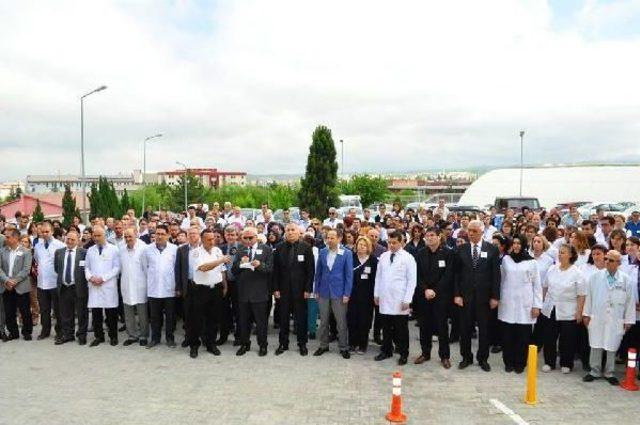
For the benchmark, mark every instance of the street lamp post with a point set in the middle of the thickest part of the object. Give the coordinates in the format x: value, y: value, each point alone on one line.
x: 342, y: 157
x: 521, y: 158
x: 144, y: 168
x: 185, y: 184
x: 84, y: 181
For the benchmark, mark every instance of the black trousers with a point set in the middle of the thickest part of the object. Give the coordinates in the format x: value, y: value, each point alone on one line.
x: 298, y: 307
x: 111, y: 319
x: 204, y: 317
x: 12, y: 303
x: 453, y: 312
x: 359, y: 318
x: 230, y: 313
x: 480, y: 311
x: 159, y: 309
x: 260, y: 311
x: 567, y: 331
x: 48, y: 301
x: 537, y: 337
x: 395, y: 330
x: 377, y: 323
x: 70, y: 307
x: 583, y: 349
x: 432, y: 319
x: 495, y: 328
x: 515, y: 344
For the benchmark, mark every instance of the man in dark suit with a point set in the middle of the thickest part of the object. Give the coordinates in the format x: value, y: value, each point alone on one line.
x: 15, y: 266
x: 184, y: 283
x: 72, y: 290
x: 230, y: 312
x: 293, y: 272
x: 476, y: 291
x: 252, y: 268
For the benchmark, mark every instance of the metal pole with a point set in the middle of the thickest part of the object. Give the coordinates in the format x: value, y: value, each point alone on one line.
x: 185, y: 184
x: 83, y: 181
x: 342, y: 157
x: 144, y: 169
x: 521, y: 158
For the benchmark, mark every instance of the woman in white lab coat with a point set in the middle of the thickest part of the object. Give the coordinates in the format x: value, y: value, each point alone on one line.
x: 564, y: 294
x: 520, y: 303
x: 579, y: 240
x: 540, y: 252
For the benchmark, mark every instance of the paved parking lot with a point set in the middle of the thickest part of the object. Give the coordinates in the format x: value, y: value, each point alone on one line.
x: 45, y: 384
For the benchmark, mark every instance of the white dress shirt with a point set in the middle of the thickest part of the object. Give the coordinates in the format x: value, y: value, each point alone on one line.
x: 395, y: 282
x: 186, y: 223
x: 331, y: 222
x: 211, y: 277
x: 47, y: 276
x: 13, y: 253
x: 107, y: 266
x: 64, y: 266
x: 133, y: 282
x: 160, y: 270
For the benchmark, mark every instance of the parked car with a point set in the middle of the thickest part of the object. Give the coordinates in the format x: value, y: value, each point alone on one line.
x: 250, y: 213
x: 563, y: 207
x: 608, y: 207
x: 516, y: 203
x: 294, y: 213
x: 465, y: 209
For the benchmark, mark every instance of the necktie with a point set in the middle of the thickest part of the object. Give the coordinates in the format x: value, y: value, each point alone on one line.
x: 475, y: 256
x: 99, y: 249
x: 46, y: 244
x: 67, y: 269
x: 249, y: 253
x: 392, y: 256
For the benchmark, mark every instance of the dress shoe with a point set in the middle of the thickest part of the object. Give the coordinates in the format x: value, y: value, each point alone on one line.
x: 485, y: 366
x: 96, y: 342
x: 382, y: 356
x: 27, y: 337
x: 242, y: 351
x: 263, y: 351
x: 152, y: 344
x: 193, y: 352
x: 464, y: 364
x: 345, y: 354
x: 60, y: 341
x: 281, y: 349
x: 446, y: 363
x: 508, y: 368
x: 11, y: 337
x: 122, y: 328
x: 3, y: 337
x: 142, y: 342
x: 213, y: 350
x: 40, y: 337
x: 496, y: 349
x: 613, y: 380
x: 113, y: 342
x: 129, y: 341
x: 518, y: 370
x: 184, y: 343
x: 419, y: 360
x: 303, y: 350
x: 402, y: 360
x: 589, y: 378
x: 171, y: 343
x: 312, y: 336
x: 82, y: 340
x: 320, y: 351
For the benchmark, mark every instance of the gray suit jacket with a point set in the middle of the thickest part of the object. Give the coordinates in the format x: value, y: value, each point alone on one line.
x: 79, y: 277
x: 20, y: 272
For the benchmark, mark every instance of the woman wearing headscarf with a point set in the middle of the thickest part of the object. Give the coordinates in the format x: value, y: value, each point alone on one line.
x: 520, y: 303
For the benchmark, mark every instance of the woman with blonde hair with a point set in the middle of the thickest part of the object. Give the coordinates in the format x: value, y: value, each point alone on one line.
x: 579, y: 241
x: 360, y: 308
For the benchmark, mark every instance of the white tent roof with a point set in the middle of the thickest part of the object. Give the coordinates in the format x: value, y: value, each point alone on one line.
x: 553, y: 185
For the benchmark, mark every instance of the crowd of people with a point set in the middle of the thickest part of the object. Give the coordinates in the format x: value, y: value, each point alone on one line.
x: 567, y: 284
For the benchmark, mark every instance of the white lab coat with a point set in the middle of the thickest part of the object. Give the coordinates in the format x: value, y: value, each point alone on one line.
x: 545, y: 261
x: 395, y: 282
x: 160, y: 270
x: 563, y: 289
x: 609, y: 308
x: 47, y: 276
x: 106, y: 266
x: 133, y: 282
x: 520, y: 291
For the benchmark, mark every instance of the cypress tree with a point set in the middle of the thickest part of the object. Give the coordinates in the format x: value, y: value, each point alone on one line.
x: 68, y: 207
x: 38, y: 215
x: 318, y: 188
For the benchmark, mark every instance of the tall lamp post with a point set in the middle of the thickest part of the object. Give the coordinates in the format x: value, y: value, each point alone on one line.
x: 185, y: 183
x: 144, y: 168
x: 521, y: 158
x: 342, y: 157
x: 84, y: 180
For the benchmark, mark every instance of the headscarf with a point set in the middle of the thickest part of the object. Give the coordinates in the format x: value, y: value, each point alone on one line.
x: 523, y: 255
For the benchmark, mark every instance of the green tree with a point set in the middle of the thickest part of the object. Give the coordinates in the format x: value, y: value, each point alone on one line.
x: 103, y: 198
x: 125, y: 202
x: 37, y: 215
x: 195, y: 192
x: 370, y: 189
x: 69, y: 209
x: 318, y: 189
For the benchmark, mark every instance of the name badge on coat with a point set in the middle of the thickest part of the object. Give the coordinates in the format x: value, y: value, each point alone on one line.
x: 367, y: 269
x: 300, y: 258
x: 340, y: 251
x: 258, y: 251
x: 364, y: 276
x: 483, y: 254
x: 81, y: 263
x: 442, y: 263
x: 19, y: 254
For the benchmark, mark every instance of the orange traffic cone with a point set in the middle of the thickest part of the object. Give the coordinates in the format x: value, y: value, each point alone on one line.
x: 629, y: 382
x: 396, y: 415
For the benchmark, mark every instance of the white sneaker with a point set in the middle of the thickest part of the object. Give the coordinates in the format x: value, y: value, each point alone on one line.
x: 546, y: 368
x: 565, y: 370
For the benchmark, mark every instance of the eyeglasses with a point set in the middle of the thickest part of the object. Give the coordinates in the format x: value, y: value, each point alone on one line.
x: 248, y: 238
x: 610, y: 260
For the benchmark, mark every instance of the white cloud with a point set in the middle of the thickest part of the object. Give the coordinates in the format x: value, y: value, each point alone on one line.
x: 242, y: 84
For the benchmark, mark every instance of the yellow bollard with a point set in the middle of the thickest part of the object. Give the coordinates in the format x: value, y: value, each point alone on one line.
x: 532, y: 376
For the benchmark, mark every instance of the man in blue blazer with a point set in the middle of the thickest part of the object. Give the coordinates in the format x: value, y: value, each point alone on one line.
x: 333, y: 283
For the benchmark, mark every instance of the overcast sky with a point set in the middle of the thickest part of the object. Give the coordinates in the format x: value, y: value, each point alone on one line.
x: 240, y: 85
